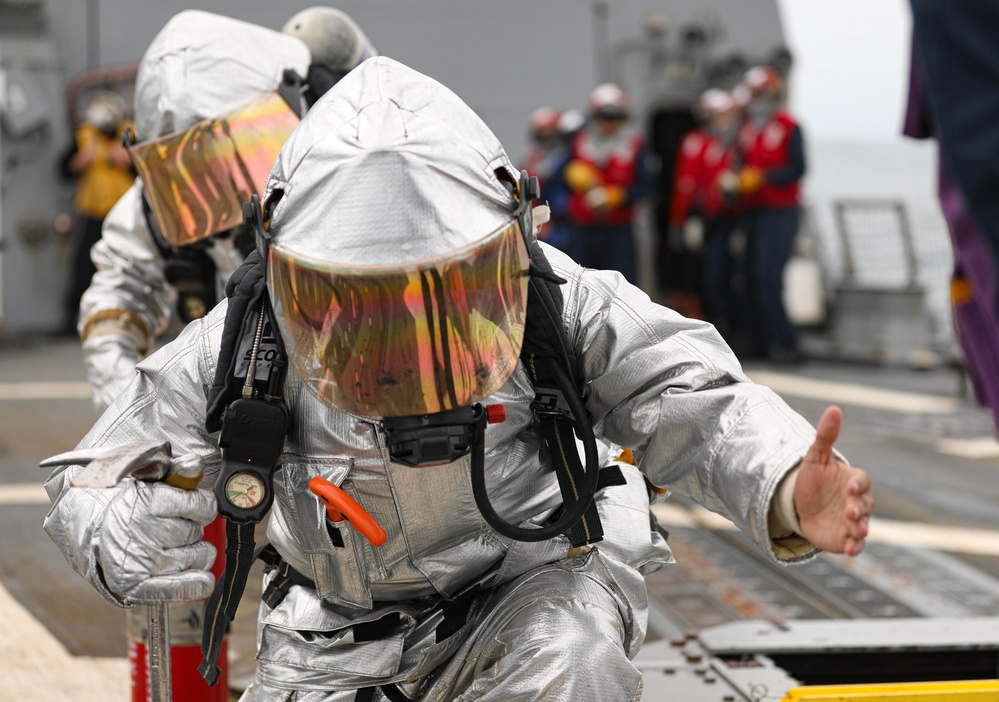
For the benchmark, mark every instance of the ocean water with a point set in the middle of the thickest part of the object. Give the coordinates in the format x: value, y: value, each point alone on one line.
x: 876, y: 184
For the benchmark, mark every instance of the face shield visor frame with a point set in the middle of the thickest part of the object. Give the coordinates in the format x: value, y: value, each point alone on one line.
x: 195, y: 181
x: 418, y: 338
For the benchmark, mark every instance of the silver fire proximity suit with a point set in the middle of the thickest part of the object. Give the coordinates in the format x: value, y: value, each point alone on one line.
x: 391, y: 164
x: 200, y: 66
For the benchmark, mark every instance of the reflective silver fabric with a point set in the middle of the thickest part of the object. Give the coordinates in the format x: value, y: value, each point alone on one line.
x: 541, y: 626
x: 202, y: 65
x: 661, y: 383
x: 412, y: 165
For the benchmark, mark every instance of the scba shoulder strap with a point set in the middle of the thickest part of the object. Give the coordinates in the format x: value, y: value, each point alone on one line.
x: 245, y: 405
x: 557, y: 376
x: 247, y: 296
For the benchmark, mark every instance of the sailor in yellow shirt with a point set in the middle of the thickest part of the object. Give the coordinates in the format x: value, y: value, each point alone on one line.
x: 104, y: 173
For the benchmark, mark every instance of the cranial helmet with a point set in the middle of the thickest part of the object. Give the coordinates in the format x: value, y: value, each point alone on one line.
x: 106, y: 110
x: 336, y: 42
x: 396, y: 267
x: 544, y: 121
x: 609, y: 101
x: 712, y: 102
x: 762, y: 80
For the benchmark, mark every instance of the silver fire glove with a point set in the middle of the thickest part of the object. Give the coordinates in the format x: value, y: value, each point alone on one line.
x: 150, y: 543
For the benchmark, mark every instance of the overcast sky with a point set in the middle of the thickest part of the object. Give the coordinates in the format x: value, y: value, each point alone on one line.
x: 851, y: 65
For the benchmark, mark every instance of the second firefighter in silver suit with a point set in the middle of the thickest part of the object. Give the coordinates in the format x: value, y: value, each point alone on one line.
x: 200, y: 66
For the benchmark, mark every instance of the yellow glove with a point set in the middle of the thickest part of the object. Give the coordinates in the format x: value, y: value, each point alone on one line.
x: 750, y: 180
x: 581, y: 176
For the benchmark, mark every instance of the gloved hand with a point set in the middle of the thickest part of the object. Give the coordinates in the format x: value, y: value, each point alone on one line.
x: 581, y: 176
x: 728, y: 182
x: 605, y: 198
x: 751, y: 179
x: 150, y: 543
x: 110, y: 363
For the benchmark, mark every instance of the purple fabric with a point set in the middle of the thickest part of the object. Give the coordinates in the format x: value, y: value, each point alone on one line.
x: 976, y: 319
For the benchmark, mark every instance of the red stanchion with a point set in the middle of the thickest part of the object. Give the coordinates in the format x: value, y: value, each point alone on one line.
x: 186, y: 622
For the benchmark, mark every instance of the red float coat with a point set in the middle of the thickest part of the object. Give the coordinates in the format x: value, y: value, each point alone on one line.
x: 619, y: 169
x: 702, y: 159
x: 541, y: 162
x: 768, y: 150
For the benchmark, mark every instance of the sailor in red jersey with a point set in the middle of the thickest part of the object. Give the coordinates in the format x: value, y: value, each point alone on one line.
x: 606, y: 176
x: 701, y: 215
x: 768, y: 186
x: 549, y: 152
x: 544, y: 142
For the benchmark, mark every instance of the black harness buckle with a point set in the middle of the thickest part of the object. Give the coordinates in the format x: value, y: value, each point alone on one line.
x: 550, y: 401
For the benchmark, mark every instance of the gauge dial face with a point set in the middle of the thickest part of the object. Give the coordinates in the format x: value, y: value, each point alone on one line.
x: 244, y: 490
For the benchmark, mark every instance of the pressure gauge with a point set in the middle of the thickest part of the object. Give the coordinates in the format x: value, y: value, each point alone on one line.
x: 245, y: 490
x: 252, y: 437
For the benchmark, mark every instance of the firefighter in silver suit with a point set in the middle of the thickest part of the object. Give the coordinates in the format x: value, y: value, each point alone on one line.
x: 389, y: 183
x: 201, y: 66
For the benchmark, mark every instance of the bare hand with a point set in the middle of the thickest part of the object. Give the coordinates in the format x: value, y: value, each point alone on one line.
x: 833, y: 500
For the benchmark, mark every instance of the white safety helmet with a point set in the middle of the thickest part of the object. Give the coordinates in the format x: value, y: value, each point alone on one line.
x: 337, y: 45
x: 544, y: 121
x: 571, y: 122
x: 396, y: 266
x: 713, y: 102
x: 106, y: 110
x: 762, y: 80
x: 609, y: 101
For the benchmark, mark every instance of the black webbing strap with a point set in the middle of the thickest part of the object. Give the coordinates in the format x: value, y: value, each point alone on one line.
x: 610, y: 477
x: 561, y: 439
x: 546, y: 342
x: 558, y: 432
x: 455, y: 615
x: 245, y: 290
x: 277, y: 588
x: 377, y: 629
x: 221, y: 607
x: 391, y: 692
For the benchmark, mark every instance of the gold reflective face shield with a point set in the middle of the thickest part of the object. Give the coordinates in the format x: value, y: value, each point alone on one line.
x: 410, y: 339
x: 197, y: 180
